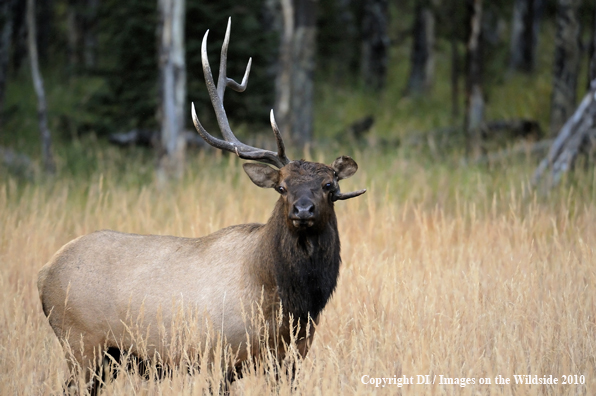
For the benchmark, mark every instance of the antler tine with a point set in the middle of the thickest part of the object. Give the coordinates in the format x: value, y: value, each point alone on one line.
x: 339, y: 196
x: 215, y: 142
x: 281, y: 149
x: 216, y: 101
x: 230, y: 142
x: 223, y: 80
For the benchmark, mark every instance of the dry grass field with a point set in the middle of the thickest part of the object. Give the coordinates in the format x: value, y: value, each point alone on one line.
x: 447, y: 271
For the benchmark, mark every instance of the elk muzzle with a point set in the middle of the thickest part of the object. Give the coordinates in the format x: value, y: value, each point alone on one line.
x: 303, y: 213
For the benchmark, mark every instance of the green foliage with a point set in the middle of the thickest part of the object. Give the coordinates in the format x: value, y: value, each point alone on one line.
x: 129, y: 61
x: 339, y: 25
x: 128, y: 66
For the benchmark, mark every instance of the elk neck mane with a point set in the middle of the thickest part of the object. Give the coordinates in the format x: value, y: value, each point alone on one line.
x: 305, y: 265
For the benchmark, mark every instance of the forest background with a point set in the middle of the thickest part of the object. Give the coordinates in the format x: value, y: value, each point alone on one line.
x: 458, y: 260
x: 412, y: 74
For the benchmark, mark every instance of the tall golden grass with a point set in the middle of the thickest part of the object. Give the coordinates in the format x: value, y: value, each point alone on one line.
x: 446, y: 271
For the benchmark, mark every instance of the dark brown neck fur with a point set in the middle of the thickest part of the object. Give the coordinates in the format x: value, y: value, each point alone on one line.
x: 304, y: 265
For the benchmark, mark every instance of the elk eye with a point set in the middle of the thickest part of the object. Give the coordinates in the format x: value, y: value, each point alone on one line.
x: 328, y: 186
x: 281, y: 189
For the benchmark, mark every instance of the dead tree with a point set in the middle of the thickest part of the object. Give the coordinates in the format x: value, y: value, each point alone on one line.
x: 304, y: 47
x: 375, y: 43
x: 578, y: 132
x: 295, y: 76
x: 42, y: 113
x: 283, y: 78
x: 422, y: 58
x: 524, y: 34
x: 474, y: 96
x: 566, y: 63
x: 172, y: 87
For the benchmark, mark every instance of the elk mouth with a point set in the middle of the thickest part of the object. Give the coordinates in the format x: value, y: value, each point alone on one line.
x: 302, y: 223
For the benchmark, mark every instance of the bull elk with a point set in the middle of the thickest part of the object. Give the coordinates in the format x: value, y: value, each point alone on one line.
x: 292, y: 261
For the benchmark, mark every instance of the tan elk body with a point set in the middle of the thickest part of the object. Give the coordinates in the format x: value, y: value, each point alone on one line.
x: 95, y: 284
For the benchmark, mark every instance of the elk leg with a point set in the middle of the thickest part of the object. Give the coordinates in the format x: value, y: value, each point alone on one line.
x: 83, y: 361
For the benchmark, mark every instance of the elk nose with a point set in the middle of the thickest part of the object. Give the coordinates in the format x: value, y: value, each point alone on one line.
x: 304, y: 209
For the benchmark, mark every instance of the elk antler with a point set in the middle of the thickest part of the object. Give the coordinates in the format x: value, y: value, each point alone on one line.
x: 231, y: 143
x: 337, y: 196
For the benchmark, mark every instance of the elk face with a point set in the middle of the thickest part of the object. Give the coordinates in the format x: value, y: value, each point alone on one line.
x: 307, y: 189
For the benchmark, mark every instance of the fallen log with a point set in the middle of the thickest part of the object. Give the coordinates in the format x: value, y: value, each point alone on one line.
x: 578, y: 133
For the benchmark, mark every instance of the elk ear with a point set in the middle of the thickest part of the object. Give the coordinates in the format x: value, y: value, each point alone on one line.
x: 344, y: 167
x: 262, y: 175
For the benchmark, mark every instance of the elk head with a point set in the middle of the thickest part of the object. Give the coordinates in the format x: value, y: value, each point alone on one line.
x: 307, y: 189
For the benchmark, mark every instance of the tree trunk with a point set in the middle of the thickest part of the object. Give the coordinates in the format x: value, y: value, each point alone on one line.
x: 375, y: 43
x: 6, y: 21
x: 283, y: 80
x: 566, y: 63
x: 172, y: 68
x: 295, y: 76
x: 524, y: 34
x: 474, y: 95
x: 46, y: 139
x: 304, y: 49
x: 422, y: 58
